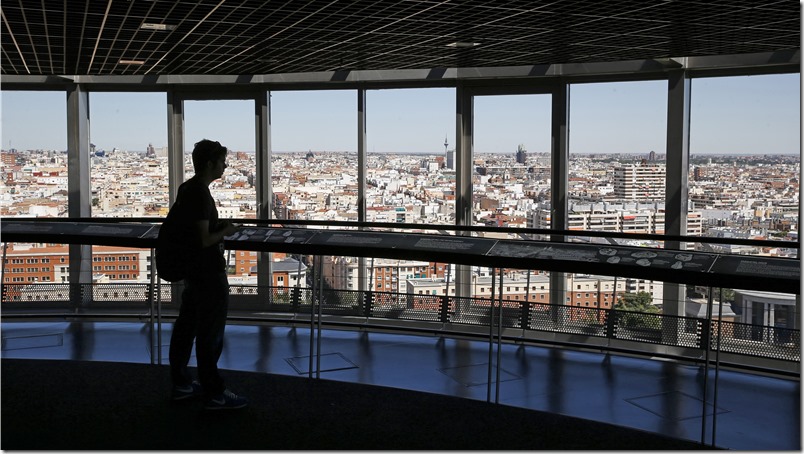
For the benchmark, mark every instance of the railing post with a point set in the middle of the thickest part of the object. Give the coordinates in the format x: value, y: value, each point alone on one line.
x: 85, y: 293
x: 368, y: 302
x: 312, y: 315
x: 75, y: 296
x: 320, y: 305
x: 151, y: 320
x: 524, y: 315
x: 159, y: 330
x: 705, y: 336
x: 3, y: 270
x: 295, y: 296
x: 611, y: 323
x: 444, y: 309
x: 491, y: 332
x: 698, y: 333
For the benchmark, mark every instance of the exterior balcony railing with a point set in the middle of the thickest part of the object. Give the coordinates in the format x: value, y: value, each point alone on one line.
x: 747, y: 345
x: 686, y: 338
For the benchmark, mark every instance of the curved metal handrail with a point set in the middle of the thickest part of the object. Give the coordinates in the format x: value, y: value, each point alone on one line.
x: 698, y: 268
x: 287, y: 223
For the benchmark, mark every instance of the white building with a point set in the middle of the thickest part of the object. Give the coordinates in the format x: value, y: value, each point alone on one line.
x: 640, y: 182
x: 766, y: 308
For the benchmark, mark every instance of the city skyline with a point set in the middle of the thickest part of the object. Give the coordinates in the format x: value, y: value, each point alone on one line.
x: 605, y: 118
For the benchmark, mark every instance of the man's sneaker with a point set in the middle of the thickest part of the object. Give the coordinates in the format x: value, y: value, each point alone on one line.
x: 226, y: 400
x: 187, y: 391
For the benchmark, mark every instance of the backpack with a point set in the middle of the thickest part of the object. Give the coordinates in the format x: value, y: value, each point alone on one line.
x: 173, y: 254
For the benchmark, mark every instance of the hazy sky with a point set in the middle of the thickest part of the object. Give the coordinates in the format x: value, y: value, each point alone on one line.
x: 756, y: 114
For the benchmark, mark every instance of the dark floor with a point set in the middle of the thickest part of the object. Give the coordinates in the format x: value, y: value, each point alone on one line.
x: 81, y: 405
x: 753, y: 412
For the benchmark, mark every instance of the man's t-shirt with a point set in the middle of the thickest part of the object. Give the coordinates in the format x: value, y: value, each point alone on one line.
x: 195, y: 203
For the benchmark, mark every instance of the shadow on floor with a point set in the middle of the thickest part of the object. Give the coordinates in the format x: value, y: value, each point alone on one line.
x: 78, y: 405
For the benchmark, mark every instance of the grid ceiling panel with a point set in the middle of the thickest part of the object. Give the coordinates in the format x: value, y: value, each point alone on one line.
x: 214, y: 37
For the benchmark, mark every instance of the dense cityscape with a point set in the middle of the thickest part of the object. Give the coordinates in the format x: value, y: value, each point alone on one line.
x: 735, y: 196
x: 740, y: 196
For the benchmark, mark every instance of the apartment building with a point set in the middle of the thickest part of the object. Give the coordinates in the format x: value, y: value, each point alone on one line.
x: 616, y: 217
x: 287, y: 272
x: 8, y: 158
x: 50, y: 263
x: 43, y: 264
x: 385, y: 275
x: 645, y: 181
x: 582, y: 290
x: 244, y: 262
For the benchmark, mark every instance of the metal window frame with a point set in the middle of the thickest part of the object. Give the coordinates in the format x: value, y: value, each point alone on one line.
x: 468, y: 82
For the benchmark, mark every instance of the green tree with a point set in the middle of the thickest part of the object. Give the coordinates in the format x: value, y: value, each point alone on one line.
x: 641, y: 311
x: 636, y: 302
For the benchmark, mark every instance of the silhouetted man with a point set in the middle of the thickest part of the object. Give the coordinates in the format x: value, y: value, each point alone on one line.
x: 205, y: 300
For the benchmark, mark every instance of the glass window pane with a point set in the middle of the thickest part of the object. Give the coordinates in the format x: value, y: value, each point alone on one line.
x: 745, y: 174
x: 34, y: 184
x: 511, y: 161
x: 314, y: 171
x: 128, y: 149
x: 230, y: 122
x: 34, y: 154
x: 128, y: 172
x: 314, y: 154
x: 409, y: 132
x: 511, y: 176
x: 617, y: 167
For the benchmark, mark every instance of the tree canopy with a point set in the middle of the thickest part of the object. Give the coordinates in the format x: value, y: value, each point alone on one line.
x: 637, y: 302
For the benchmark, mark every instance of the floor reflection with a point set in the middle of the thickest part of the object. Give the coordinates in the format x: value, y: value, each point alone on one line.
x: 755, y: 412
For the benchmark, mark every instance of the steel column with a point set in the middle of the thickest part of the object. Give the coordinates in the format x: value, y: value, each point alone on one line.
x: 559, y: 171
x: 678, y: 139
x: 79, y: 191
x: 362, y: 168
x: 262, y: 120
x: 464, y: 106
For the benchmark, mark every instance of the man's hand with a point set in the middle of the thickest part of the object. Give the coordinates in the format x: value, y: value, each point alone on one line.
x: 229, y: 228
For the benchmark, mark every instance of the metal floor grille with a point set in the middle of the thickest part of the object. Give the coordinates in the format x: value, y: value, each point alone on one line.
x: 329, y: 362
x: 476, y: 374
x: 674, y: 405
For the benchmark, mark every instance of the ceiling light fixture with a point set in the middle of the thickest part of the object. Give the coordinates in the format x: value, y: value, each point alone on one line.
x: 160, y: 27
x: 132, y: 62
x: 462, y: 44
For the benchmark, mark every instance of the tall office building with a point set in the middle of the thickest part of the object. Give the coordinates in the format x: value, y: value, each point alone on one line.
x: 451, y: 159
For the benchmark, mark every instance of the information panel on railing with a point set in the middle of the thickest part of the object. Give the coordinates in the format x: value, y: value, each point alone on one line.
x: 78, y: 229
x: 612, y: 255
x: 452, y: 244
x: 764, y: 267
x: 272, y: 235
x: 687, y: 267
x: 355, y: 239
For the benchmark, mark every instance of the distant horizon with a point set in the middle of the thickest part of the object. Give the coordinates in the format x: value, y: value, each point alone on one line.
x: 739, y: 115
x: 425, y: 153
